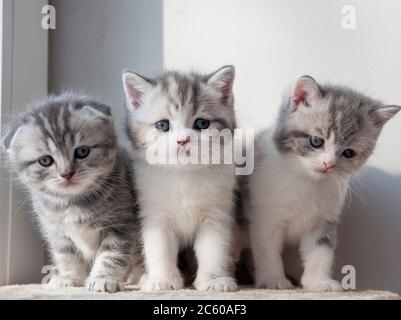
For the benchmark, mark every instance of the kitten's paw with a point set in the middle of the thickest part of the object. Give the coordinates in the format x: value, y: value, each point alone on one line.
x: 277, y: 284
x: 324, y: 285
x: 60, y: 282
x: 103, y: 285
x: 161, y: 284
x: 221, y: 284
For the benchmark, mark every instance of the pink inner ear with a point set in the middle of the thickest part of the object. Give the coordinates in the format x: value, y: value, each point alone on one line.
x: 225, y: 92
x: 135, y: 95
x: 379, y: 121
x: 300, y: 96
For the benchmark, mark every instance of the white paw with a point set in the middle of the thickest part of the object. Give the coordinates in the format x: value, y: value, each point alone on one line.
x: 103, y: 285
x: 276, y: 283
x: 60, y: 282
x: 161, y: 284
x: 323, y: 285
x: 221, y: 284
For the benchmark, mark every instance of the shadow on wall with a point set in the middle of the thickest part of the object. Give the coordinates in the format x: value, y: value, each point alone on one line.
x: 376, y: 218
x: 369, y: 235
x: 95, y: 40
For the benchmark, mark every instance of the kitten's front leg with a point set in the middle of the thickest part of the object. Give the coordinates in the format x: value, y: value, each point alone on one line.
x: 136, y: 272
x: 111, y: 262
x: 213, y: 247
x: 161, y: 251
x: 71, y: 270
x: 317, y: 251
x: 267, y: 240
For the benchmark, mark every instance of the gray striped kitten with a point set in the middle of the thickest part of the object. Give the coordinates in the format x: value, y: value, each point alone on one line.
x: 65, y: 151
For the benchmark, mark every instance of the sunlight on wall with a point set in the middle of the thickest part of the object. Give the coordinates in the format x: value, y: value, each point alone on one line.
x: 271, y: 43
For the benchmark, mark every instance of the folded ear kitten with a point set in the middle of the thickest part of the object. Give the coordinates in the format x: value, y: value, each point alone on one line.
x: 65, y: 151
x: 184, y: 201
x: 323, y: 136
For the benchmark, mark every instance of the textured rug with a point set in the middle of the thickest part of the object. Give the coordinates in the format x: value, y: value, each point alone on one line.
x: 35, y: 291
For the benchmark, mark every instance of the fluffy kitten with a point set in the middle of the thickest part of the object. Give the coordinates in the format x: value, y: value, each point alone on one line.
x: 323, y: 136
x: 183, y: 205
x: 65, y: 151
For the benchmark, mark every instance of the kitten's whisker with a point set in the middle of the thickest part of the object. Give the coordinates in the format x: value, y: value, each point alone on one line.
x: 356, y: 187
x: 21, y: 205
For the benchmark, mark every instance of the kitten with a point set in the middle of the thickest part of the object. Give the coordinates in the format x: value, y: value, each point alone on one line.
x: 183, y: 205
x: 324, y: 135
x: 65, y: 151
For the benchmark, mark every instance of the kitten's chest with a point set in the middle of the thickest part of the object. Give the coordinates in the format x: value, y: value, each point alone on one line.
x: 69, y: 223
x: 185, y: 199
x: 183, y: 192
x: 85, y: 237
x: 313, y: 204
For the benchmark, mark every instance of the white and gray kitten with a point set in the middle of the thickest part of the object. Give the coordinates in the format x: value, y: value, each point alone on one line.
x: 297, y: 192
x: 64, y: 149
x: 183, y: 205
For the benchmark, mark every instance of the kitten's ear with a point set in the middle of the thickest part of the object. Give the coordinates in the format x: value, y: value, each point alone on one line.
x: 134, y: 87
x: 222, y: 80
x: 98, y: 110
x: 382, y: 114
x: 11, y: 133
x: 305, y: 92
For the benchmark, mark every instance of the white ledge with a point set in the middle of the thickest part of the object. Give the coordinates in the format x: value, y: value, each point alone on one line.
x: 36, y: 291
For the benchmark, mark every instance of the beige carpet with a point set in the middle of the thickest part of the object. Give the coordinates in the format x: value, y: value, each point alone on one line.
x: 35, y: 291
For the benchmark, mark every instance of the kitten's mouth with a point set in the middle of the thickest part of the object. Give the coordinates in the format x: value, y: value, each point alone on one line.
x: 68, y: 183
x: 323, y: 172
x: 182, y: 151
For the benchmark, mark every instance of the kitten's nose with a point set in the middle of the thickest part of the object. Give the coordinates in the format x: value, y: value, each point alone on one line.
x: 329, y: 165
x: 68, y: 176
x: 183, y: 141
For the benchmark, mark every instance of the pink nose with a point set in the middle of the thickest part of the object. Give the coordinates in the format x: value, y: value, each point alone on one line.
x: 329, y: 165
x: 184, y: 141
x: 68, y: 176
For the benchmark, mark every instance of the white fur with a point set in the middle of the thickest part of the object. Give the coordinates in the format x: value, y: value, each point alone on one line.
x: 289, y: 204
x: 181, y: 208
x: 183, y: 204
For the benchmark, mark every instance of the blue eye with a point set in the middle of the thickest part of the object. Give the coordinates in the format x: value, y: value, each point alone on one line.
x: 316, y: 142
x: 82, y: 152
x: 163, y: 125
x: 46, y: 161
x: 201, y: 124
x: 349, y: 153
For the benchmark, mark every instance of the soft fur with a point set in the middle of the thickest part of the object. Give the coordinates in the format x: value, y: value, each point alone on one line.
x: 183, y: 205
x: 86, y: 207
x: 297, y: 191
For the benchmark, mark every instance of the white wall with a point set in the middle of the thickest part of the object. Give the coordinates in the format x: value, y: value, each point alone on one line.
x: 271, y: 43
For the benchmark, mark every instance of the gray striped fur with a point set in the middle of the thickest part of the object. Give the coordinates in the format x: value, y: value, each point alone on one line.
x: 92, y: 228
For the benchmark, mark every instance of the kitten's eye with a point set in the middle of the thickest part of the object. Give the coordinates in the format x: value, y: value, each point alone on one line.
x: 163, y: 125
x: 82, y: 152
x: 201, y: 124
x: 349, y: 153
x: 46, y: 161
x: 316, y: 142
